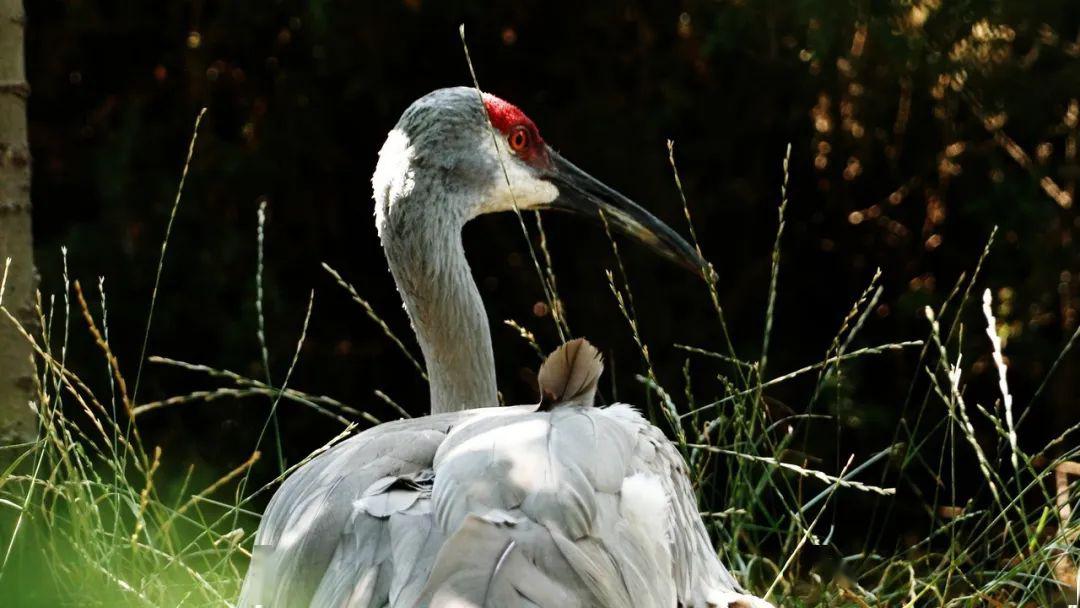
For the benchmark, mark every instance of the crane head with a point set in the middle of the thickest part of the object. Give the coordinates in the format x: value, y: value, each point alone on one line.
x: 467, y: 154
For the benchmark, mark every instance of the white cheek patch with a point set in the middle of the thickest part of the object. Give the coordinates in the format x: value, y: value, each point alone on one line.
x: 394, y: 176
x: 524, y: 189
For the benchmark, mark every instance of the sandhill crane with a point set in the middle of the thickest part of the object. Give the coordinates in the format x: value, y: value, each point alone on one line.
x: 554, y: 506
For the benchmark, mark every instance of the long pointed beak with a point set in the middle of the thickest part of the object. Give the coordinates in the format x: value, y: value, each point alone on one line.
x: 583, y: 194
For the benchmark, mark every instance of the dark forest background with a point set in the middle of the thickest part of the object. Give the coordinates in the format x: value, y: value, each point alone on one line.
x: 916, y: 126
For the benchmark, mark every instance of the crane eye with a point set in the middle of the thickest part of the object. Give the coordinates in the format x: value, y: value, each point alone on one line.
x: 519, y: 139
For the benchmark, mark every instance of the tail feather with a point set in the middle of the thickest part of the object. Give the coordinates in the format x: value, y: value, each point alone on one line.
x: 569, y: 375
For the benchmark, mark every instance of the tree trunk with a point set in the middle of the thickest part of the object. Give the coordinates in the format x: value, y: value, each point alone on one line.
x: 17, y: 421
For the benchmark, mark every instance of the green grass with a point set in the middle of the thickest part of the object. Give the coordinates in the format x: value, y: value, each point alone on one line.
x: 90, y: 521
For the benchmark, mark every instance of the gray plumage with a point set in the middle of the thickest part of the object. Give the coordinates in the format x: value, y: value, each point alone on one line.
x: 563, y: 506
x: 553, y: 482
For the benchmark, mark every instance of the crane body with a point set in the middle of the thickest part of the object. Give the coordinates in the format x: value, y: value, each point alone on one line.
x: 558, y: 505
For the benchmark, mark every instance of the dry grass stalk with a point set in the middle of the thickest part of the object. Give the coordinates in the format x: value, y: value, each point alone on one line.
x: 1003, y: 383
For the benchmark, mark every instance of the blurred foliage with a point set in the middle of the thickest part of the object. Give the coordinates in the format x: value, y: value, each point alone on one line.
x: 917, y: 126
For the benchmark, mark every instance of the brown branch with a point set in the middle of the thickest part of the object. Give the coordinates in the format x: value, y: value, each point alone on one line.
x: 1017, y: 153
x: 19, y: 89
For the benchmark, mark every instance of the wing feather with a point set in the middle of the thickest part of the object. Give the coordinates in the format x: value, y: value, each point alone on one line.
x: 500, y: 507
x: 311, y: 529
x: 311, y: 516
x: 417, y: 540
x: 700, y: 577
x: 484, y: 564
x: 561, y: 470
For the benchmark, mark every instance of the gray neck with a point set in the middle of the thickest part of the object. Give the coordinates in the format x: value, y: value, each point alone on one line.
x: 428, y: 262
